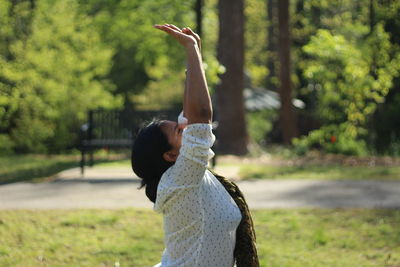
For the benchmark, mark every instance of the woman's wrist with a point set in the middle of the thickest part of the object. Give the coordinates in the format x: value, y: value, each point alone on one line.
x: 192, y: 47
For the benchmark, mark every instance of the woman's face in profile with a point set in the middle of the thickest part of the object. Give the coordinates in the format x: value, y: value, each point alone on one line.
x: 173, y: 131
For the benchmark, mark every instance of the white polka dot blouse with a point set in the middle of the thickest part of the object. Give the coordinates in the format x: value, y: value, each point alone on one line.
x: 200, y: 217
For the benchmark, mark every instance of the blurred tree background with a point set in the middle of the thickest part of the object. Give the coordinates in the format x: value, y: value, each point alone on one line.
x: 59, y: 59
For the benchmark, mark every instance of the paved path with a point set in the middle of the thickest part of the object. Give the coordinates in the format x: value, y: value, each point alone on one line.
x: 116, y: 187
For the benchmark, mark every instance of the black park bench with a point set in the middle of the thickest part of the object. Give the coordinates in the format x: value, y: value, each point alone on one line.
x: 116, y: 129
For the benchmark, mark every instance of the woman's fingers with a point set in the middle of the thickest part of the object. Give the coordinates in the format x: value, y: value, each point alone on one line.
x: 172, y: 26
x: 167, y: 26
x: 167, y: 29
x: 192, y: 33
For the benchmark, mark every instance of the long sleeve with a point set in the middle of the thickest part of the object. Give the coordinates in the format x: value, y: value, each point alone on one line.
x: 189, y: 167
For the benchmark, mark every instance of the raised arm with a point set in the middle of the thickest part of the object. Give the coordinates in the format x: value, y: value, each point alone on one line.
x: 197, y: 101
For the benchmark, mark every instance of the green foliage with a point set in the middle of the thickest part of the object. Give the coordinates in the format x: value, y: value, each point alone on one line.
x: 52, y: 76
x: 6, y: 145
x: 209, y: 43
x: 350, y: 76
x: 384, y: 130
x: 60, y: 58
x: 147, y: 63
x: 259, y: 124
x: 340, y: 139
x: 256, y: 41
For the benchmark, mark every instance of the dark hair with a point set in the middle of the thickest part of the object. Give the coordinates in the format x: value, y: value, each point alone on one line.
x: 147, y: 157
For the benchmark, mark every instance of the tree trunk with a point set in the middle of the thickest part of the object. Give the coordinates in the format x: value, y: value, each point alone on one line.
x: 371, y: 16
x: 271, y: 45
x: 288, y: 119
x: 373, y: 66
x: 232, y: 134
x: 198, y: 7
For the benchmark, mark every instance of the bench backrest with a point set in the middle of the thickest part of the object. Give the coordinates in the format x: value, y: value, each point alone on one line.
x: 121, y: 124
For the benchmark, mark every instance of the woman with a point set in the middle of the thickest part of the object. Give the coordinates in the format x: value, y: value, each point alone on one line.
x: 200, y: 216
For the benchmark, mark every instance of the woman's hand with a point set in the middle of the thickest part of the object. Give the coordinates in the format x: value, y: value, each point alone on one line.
x: 184, y: 36
x: 189, y: 31
x: 197, y: 102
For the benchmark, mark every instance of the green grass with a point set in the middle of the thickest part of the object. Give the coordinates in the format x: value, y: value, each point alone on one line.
x: 133, y: 237
x: 116, y: 163
x: 33, y: 167
x: 37, y: 168
x: 328, y: 237
x: 327, y: 172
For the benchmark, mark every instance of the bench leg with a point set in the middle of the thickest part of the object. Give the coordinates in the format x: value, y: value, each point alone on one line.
x: 91, y: 161
x: 82, y: 161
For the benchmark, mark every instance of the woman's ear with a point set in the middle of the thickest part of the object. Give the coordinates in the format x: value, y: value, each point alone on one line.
x: 170, y: 156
